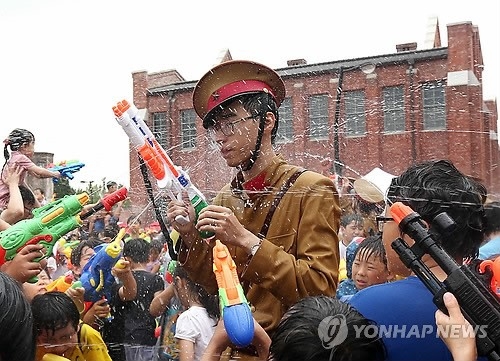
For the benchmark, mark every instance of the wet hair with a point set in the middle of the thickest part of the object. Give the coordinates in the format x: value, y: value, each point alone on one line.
x: 16, y: 322
x: 53, y: 311
x: 15, y: 140
x: 76, y: 253
x: 492, y: 213
x: 433, y: 187
x: 137, y: 249
x: 372, y: 246
x: 297, y: 336
x: 210, y: 302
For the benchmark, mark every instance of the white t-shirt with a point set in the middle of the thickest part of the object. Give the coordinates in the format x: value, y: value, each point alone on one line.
x: 196, y: 326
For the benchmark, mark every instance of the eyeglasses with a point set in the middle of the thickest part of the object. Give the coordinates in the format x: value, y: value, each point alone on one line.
x: 227, y: 128
x: 381, y: 220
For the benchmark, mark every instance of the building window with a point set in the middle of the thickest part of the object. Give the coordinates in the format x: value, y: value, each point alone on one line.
x: 318, y: 117
x: 161, y: 129
x: 434, y: 106
x: 354, y: 102
x: 188, y: 129
x: 285, y: 127
x: 393, y: 108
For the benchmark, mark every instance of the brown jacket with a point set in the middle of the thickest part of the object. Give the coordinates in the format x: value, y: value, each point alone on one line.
x: 300, y: 255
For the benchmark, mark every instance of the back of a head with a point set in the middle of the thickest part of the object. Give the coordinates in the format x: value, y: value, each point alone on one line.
x: 53, y: 311
x: 305, y: 333
x: 17, y: 341
x: 433, y: 187
x: 137, y: 249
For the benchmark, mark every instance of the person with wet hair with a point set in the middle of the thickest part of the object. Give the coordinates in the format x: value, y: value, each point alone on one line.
x: 59, y: 331
x: 17, y: 342
x: 21, y: 143
x: 405, y: 308
x: 316, y: 328
x: 279, y: 221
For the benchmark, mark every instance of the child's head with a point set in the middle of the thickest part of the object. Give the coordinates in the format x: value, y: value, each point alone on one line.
x: 155, y: 250
x: 82, y: 253
x: 16, y: 322
x: 19, y: 140
x: 370, y: 263
x: 134, y: 224
x: 189, y: 291
x: 136, y: 250
x: 351, y: 226
x: 55, y: 319
x: 39, y: 194
x: 305, y: 333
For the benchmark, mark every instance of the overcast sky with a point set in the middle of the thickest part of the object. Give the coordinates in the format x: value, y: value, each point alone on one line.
x: 65, y: 63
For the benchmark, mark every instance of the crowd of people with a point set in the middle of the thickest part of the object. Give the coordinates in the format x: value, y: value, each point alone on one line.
x: 314, y: 258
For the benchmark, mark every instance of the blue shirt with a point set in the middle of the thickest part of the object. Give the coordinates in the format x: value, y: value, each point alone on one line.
x: 490, y: 250
x: 405, y: 314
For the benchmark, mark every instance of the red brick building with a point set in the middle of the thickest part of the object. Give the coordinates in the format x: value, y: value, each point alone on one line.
x: 416, y: 105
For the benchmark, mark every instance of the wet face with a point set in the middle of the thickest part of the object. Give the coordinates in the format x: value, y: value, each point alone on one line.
x: 368, y: 270
x: 350, y: 231
x: 235, y: 132
x: 61, y: 342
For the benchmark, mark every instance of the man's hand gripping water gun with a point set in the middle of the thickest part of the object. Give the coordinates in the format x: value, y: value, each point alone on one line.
x: 51, y: 222
x: 66, y: 168
x: 235, y: 310
x: 168, y: 177
x: 479, y: 304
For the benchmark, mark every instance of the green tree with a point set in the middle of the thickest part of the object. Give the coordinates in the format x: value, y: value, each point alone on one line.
x: 62, y: 188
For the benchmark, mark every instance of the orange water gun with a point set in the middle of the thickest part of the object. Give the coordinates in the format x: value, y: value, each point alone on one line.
x: 60, y: 284
x: 494, y: 267
x: 235, y: 310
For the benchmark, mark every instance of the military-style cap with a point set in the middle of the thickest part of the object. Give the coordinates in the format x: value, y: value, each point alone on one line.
x: 231, y: 79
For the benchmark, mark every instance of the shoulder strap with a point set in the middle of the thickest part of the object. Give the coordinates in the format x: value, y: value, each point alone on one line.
x: 276, y: 201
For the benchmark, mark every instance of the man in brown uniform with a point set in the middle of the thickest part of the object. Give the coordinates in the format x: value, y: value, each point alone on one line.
x: 283, y: 251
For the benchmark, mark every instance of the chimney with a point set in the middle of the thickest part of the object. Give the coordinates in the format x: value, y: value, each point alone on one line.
x: 296, y: 62
x: 406, y: 47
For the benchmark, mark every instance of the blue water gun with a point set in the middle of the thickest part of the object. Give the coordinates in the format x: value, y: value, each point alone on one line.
x: 66, y: 168
x: 96, y: 278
